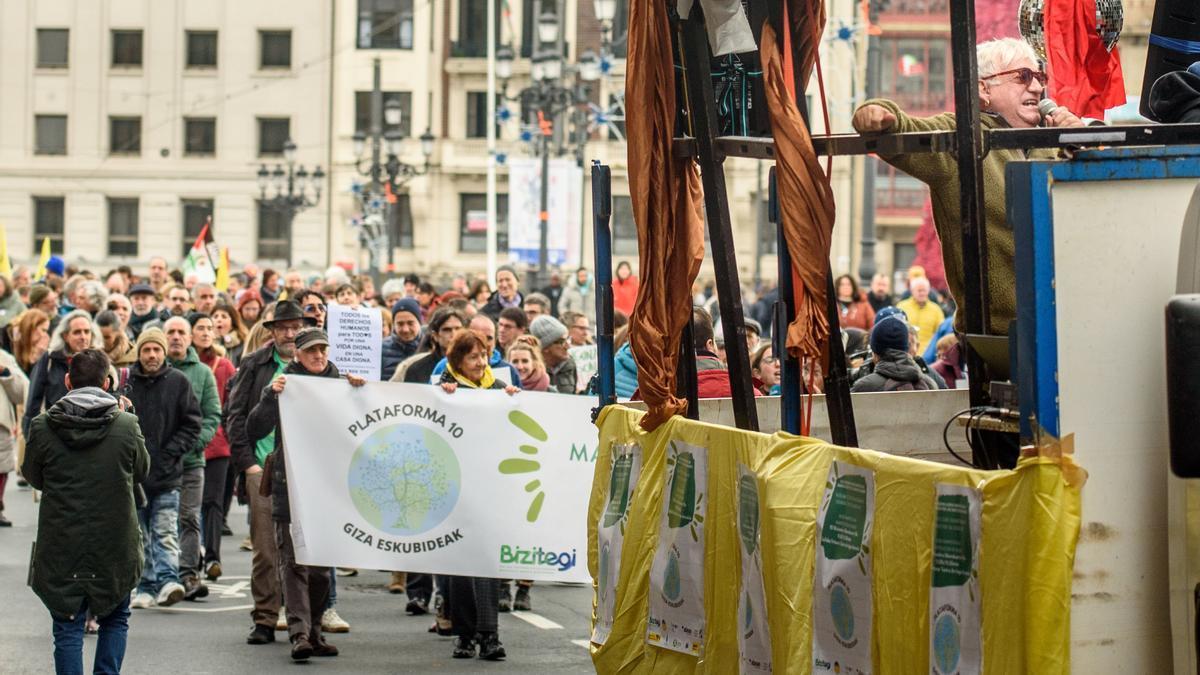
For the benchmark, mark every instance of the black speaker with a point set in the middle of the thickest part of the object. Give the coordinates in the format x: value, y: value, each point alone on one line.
x: 1174, y: 43
x: 1183, y: 384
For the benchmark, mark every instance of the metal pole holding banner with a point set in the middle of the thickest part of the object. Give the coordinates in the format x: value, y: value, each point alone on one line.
x: 785, y: 308
x: 602, y: 237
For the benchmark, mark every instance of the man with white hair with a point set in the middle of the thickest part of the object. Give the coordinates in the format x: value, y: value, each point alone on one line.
x: 1010, y: 87
x: 204, y: 297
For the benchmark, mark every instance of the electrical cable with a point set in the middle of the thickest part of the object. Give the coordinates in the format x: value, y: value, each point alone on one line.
x: 973, y: 414
x: 946, y: 441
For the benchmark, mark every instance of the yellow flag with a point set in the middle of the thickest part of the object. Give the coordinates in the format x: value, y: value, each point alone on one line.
x: 5, y: 265
x: 45, y: 258
x: 222, y: 283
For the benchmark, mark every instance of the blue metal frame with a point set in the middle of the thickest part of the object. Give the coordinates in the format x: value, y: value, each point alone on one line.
x: 1031, y: 214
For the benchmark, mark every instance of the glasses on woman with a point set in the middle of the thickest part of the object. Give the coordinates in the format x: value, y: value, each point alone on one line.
x: 1024, y: 75
x: 315, y: 308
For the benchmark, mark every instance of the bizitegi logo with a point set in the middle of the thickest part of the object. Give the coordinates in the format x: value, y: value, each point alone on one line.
x: 536, y: 556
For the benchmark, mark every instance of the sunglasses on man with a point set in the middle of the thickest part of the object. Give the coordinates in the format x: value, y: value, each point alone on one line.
x: 1024, y: 75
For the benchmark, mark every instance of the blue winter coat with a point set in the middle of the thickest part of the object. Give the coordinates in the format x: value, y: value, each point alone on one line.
x: 626, y: 372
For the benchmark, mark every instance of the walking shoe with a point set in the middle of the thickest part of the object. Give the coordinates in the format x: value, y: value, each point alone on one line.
x: 332, y: 623
x: 301, y: 648
x: 522, y: 602
x: 213, y: 571
x: 506, y: 599
x: 170, y: 594
x: 22, y: 483
x: 398, y: 582
x: 281, y: 619
x: 490, y: 648
x: 260, y: 635
x: 194, y: 589
x: 322, y: 648
x: 417, y: 606
x: 464, y: 648
x: 441, y: 627
x: 4, y: 522
x: 225, y: 531
x: 247, y: 545
x: 142, y: 601
x: 346, y: 571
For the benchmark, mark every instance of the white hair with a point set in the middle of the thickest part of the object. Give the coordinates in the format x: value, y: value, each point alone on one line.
x: 996, y: 56
x: 58, y: 340
x: 97, y: 294
x: 392, y: 287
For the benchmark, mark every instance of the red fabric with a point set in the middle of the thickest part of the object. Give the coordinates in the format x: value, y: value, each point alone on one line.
x: 625, y: 294
x: 929, y: 249
x: 1084, y: 76
x: 709, y: 384
x: 857, y: 314
x: 224, y: 371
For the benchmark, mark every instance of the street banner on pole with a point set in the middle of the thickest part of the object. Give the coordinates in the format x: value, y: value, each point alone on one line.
x: 356, y: 340
x: 407, y: 477
x: 565, y: 199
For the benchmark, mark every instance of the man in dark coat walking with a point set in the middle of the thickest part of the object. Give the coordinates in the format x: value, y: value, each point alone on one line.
x: 86, y: 455
x: 169, y: 416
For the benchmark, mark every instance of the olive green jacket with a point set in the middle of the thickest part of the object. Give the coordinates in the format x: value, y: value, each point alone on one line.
x: 204, y: 386
x: 939, y: 170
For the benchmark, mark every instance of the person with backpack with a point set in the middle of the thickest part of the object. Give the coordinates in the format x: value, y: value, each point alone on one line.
x: 894, y: 369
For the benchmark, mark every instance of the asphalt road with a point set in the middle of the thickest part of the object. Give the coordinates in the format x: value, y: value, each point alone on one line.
x: 209, y: 636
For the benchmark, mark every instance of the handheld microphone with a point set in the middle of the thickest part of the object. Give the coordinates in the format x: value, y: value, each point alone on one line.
x: 1046, y: 107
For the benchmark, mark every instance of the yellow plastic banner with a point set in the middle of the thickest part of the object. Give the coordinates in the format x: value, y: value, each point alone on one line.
x: 995, y: 548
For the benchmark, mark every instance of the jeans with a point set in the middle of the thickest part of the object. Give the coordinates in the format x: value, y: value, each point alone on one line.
x: 332, y: 588
x: 159, y: 521
x: 110, y: 648
x: 190, y: 499
x: 215, y: 471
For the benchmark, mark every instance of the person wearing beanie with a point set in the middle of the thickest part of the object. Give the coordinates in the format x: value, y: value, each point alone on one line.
x: 56, y: 266
x: 405, y: 338
x: 169, y: 416
x: 552, y: 337
x: 894, y: 369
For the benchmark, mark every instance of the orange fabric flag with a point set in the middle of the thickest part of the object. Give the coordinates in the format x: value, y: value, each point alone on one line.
x: 667, y: 198
x: 806, y: 206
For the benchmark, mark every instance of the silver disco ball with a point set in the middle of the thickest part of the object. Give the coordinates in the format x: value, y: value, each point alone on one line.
x: 1110, y: 17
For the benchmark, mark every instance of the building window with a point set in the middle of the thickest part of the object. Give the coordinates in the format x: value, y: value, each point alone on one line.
x: 201, y: 49
x: 620, y: 30
x: 616, y: 118
x: 199, y: 136
x: 402, y: 222
x: 48, y: 223
x: 50, y: 135
x: 125, y: 135
x: 362, y: 111
x: 472, y: 219
x: 123, y: 227
x: 127, y: 48
x: 624, y: 231
x: 915, y: 74
x: 897, y: 192
x: 53, y: 47
x: 903, y: 257
x: 196, y: 213
x: 472, y: 27
x: 385, y: 24
x: 479, y: 113
x: 273, y: 234
x: 275, y: 49
x: 273, y: 132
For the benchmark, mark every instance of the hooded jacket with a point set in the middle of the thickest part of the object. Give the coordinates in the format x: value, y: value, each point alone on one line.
x: 626, y: 371
x: 47, y: 384
x: 494, y: 306
x: 1175, y: 97
x: 169, y: 416
x: 204, y: 388
x: 577, y: 298
x: 85, y: 455
x: 895, y: 371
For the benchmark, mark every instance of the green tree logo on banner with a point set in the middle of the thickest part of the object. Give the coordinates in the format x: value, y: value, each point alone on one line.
x: 404, y: 479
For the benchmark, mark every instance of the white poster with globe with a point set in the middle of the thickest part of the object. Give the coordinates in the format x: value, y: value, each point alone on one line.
x: 676, y: 614
x: 395, y: 476
x: 754, y: 636
x: 842, y: 580
x: 955, y: 638
x: 610, y: 533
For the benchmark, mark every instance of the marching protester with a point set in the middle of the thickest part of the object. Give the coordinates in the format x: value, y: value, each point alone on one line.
x: 230, y: 332
x: 485, y: 328
x: 47, y: 383
x: 552, y: 338
x: 29, y: 338
x: 406, y: 336
x: 14, y: 387
x: 143, y: 299
x: 444, y: 323
x: 84, y: 452
x: 216, y: 453
x: 169, y: 417
x: 506, y: 294
x: 526, y: 357
x: 511, y: 325
x: 117, y: 345
x: 305, y: 588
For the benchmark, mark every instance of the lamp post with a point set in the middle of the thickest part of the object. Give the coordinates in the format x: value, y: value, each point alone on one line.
x: 387, y: 177
x: 289, y: 188
x: 556, y: 87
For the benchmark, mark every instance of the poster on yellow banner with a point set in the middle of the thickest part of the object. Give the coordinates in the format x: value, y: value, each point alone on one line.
x: 610, y: 533
x: 842, y: 610
x: 676, y: 617
x: 955, y: 645
x: 754, y: 636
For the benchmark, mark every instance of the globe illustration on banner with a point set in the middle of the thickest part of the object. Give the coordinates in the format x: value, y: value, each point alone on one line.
x: 842, y: 611
x: 404, y: 479
x: 946, y: 643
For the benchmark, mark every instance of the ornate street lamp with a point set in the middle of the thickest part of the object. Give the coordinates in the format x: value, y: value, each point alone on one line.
x: 288, y: 191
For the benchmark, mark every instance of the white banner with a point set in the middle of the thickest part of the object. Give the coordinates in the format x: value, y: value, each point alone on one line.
x: 407, y: 477
x: 754, y: 636
x: 587, y: 362
x: 564, y: 204
x: 356, y: 340
x: 676, y: 618
x: 610, y: 533
x: 842, y: 584
x: 955, y: 640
